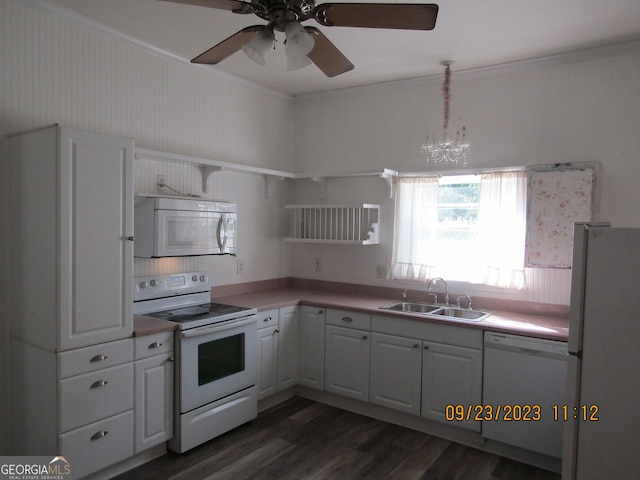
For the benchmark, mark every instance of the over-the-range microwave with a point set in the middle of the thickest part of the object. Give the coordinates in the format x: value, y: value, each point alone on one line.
x: 178, y: 227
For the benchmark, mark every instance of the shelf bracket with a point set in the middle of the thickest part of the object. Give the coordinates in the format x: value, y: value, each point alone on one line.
x: 322, y: 184
x: 269, y: 182
x: 205, y: 171
x: 389, y: 179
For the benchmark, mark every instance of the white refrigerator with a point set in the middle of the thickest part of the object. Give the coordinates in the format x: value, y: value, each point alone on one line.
x: 602, y: 416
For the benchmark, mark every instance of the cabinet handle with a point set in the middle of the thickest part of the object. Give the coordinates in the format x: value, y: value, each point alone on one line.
x: 131, y: 238
x: 415, y: 345
x: 268, y: 319
x: 426, y: 347
x: 276, y: 331
x: 170, y: 359
x: 99, y: 383
x: 98, y: 358
x: 320, y: 311
x: 364, y: 337
x: 347, y: 319
x: 100, y: 434
x: 155, y: 345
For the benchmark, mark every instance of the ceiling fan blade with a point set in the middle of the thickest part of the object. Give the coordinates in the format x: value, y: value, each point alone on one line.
x: 228, y: 46
x: 404, y: 16
x: 236, y: 6
x: 326, y: 56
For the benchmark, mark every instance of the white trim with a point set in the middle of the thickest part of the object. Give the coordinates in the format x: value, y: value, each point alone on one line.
x: 469, y: 171
x: 91, y: 24
x: 621, y: 48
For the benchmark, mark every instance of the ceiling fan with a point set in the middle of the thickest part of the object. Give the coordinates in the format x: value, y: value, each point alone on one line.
x: 308, y: 44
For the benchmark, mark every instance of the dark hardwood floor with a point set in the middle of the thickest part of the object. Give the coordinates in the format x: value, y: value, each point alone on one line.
x: 302, y: 439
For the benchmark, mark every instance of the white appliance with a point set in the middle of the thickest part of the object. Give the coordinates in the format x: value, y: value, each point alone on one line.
x: 178, y: 227
x: 602, y: 415
x: 216, y: 355
x: 525, y: 373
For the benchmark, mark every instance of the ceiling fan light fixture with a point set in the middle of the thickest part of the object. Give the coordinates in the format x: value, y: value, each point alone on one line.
x: 257, y: 47
x: 295, y: 63
x: 299, y: 42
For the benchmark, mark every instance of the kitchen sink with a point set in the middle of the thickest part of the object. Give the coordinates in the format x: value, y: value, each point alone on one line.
x: 412, y: 307
x: 475, y: 315
x: 438, y: 311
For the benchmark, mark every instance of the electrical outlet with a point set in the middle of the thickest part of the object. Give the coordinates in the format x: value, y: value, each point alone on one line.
x: 381, y: 271
x: 317, y: 264
x: 240, y: 267
x: 160, y: 183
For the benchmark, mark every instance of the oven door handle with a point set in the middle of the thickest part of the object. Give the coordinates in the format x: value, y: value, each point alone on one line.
x: 197, y: 332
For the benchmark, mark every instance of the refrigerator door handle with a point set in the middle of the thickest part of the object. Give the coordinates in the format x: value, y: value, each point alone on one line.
x: 575, y: 354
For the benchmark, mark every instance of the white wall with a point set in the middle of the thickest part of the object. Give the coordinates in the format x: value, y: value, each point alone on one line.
x: 584, y: 108
x: 54, y: 69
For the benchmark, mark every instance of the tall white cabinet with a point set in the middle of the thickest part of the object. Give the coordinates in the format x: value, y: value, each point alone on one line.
x: 71, y: 260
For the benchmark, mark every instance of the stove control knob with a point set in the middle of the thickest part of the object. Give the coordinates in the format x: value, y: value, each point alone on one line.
x: 143, y: 284
x: 153, y: 283
x: 194, y: 278
x: 202, y: 278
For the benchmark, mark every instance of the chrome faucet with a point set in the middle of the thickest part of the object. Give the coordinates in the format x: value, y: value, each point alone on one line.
x: 468, y: 297
x: 446, y: 289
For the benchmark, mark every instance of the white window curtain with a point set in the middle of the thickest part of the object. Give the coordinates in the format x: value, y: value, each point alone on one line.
x: 416, y: 218
x: 502, y: 229
x: 495, y: 257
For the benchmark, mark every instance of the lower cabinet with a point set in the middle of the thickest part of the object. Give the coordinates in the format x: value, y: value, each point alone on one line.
x: 277, y: 350
x: 311, y: 346
x: 396, y: 372
x: 451, y: 375
x: 347, y: 362
x: 153, y: 376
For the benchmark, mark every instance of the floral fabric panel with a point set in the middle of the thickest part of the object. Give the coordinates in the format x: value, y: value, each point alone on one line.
x: 557, y: 199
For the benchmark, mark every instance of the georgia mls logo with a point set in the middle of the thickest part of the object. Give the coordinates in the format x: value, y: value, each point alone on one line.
x: 35, y: 468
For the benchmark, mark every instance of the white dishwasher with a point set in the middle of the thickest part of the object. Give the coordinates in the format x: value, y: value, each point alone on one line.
x: 523, y: 379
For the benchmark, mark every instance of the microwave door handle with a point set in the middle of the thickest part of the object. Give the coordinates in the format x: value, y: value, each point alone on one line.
x: 222, y: 232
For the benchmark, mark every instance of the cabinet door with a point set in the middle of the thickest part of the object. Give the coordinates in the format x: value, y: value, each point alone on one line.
x: 396, y: 368
x: 347, y: 362
x: 451, y: 375
x: 287, y: 347
x: 96, y: 221
x: 153, y: 401
x: 268, y: 352
x: 311, y: 346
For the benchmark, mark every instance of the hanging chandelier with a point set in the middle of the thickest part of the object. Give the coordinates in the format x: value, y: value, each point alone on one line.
x: 453, y: 151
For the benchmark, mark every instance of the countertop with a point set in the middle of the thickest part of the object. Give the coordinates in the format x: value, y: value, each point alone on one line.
x: 539, y: 326
x: 143, y: 325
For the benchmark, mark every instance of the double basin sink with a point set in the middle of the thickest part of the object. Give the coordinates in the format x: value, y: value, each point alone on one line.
x: 438, y: 311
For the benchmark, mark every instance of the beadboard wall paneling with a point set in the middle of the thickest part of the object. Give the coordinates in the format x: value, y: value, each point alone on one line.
x: 359, y: 264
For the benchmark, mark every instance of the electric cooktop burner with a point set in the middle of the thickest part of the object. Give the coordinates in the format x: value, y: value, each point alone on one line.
x: 198, y: 312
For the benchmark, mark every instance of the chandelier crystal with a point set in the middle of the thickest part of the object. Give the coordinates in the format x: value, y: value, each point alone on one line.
x: 452, y: 151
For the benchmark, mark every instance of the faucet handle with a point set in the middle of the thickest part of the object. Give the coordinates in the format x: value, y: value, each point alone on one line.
x: 435, y: 297
x: 468, y: 297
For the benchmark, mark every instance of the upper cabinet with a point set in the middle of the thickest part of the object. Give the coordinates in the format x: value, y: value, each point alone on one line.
x: 71, y: 208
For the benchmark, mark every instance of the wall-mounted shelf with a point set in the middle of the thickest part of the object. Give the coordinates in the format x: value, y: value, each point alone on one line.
x: 338, y: 224
x: 271, y: 177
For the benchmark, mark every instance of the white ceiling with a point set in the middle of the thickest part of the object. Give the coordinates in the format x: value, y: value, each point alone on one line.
x: 474, y: 33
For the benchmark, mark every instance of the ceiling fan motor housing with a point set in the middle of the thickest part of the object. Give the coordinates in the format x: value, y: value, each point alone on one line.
x: 279, y: 12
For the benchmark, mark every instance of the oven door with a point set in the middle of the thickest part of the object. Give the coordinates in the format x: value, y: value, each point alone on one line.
x: 181, y: 233
x: 216, y: 361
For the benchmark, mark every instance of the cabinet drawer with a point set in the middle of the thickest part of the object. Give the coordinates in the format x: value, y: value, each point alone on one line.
x: 266, y: 319
x: 99, y: 445
x: 349, y: 319
x: 151, y: 345
x: 93, y: 396
x: 95, y: 357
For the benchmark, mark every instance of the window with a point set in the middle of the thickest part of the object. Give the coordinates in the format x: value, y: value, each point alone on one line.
x: 466, y: 227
